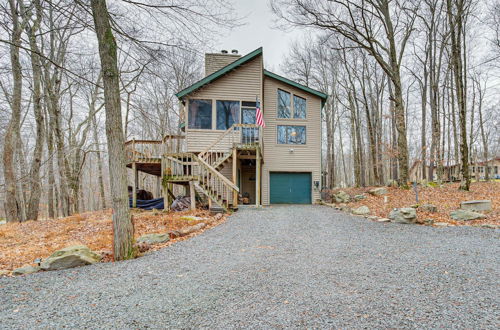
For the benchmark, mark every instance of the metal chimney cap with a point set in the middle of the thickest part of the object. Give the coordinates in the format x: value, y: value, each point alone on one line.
x: 223, y: 51
x: 234, y: 51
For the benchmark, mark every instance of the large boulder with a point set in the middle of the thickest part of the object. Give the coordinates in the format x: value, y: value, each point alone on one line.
x: 154, y: 238
x: 342, y: 197
x: 362, y: 210
x: 403, y: 215
x: 466, y: 215
x: 378, y: 191
x: 28, y: 269
x: 479, y: 205
x: 72, y: 256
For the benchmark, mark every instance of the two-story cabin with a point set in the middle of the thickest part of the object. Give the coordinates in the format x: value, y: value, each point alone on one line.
x: 230, y: 158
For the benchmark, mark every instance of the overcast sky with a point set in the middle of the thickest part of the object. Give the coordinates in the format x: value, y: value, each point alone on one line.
x: 258, y: 32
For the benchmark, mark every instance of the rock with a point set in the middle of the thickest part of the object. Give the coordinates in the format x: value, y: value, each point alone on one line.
x: 479, y: 205
x: 191, y: 229
x: 359, y: 197
x: 143, y: 246
x: 342, y: 197
x: 174, y: 234
x: 72, y: 256
x: 373, y: 217
x: 414, y: 206
x: 383, y: 220
x: 28, y: 269
x: 378, y: 191
x: 403, y: 215
x: 465, y: 215
x: 218, y: 216
x: 487, y: 225
x: 4, y: 272
x: 429, y: 208
x: 429, y: 221
x: 362, y: 210
x: 441, y: 224
x: 154, y: 238
x: 191, y: 218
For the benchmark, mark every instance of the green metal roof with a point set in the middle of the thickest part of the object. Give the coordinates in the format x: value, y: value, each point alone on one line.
x: 217, y: 74
x: 323, y: 96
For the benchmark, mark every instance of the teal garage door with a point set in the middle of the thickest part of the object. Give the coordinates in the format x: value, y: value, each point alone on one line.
x: 290, y: 188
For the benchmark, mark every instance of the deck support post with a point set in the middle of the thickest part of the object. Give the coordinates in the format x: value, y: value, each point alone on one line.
x: 235, y: 177
x: 192, y: 195
x: 134, y: 185
x: 257, y: 177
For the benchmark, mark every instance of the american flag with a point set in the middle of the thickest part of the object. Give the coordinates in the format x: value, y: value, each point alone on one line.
x: 259, y: 118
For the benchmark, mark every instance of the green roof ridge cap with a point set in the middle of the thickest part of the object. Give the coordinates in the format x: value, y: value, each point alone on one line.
x: 217, y: 74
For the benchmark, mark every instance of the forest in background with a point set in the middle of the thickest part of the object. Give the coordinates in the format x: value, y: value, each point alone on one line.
x: 408, y: 81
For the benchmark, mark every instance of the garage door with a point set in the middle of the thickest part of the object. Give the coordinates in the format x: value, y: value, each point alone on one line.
x: 290, y: 188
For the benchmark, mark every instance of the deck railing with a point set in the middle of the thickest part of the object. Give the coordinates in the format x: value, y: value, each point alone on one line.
x: 153, y: 150
x: 238, y: 135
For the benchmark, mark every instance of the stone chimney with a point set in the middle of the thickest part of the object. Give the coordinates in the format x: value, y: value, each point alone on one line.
x: 216, y: 61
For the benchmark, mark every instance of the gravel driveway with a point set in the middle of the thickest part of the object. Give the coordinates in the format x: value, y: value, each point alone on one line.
x: 293, y: 266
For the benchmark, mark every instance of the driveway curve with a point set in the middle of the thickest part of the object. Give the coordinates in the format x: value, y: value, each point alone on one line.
x: 278, y: 267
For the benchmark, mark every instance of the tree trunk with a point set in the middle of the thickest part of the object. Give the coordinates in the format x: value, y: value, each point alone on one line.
x: 455, y: 22
x: 12, y: 132
x: 123, y: 230
x: 36, y: 65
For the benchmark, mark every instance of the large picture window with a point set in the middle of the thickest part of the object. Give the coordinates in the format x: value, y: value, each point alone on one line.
x: 284, y: 101
x: 291, y: 134
x: 228, y: 113
x: 200, y: 114
x: 299, y: 107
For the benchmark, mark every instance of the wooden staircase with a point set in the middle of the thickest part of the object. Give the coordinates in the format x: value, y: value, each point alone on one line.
x: 204, y: 168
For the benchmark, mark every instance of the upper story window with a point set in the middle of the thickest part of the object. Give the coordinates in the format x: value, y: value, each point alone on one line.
x: 284, y: 101
x: 200, y: 114
x: 299, y: 107
x: 228, y: 113
x: 285, y: 105
x: 291, y: 134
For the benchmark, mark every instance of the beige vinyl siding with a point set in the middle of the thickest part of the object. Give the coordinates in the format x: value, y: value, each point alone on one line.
x: 277, y: 157
x: 199, y: 139
x: 242, y: 84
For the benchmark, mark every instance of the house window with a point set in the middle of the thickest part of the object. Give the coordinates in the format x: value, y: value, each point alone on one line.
x: 473, y: 169
x: 200, y: 114
x: 228, y: 113
x: 288, y: 134
x: 284, y: 100
x: 496, y: 169
x: 299, y: 107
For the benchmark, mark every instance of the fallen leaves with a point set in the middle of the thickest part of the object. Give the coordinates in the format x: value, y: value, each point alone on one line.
x: 447, y: 198
x: 22, y: 243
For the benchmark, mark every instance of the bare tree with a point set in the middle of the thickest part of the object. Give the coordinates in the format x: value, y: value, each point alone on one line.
x: 12, y: 200
x: 456, y: 12
x: 123, y: 229
x: 381, y: 28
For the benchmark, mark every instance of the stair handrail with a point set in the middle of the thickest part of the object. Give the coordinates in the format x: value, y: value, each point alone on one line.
x: 217, y: 173
x: 219, y: 138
